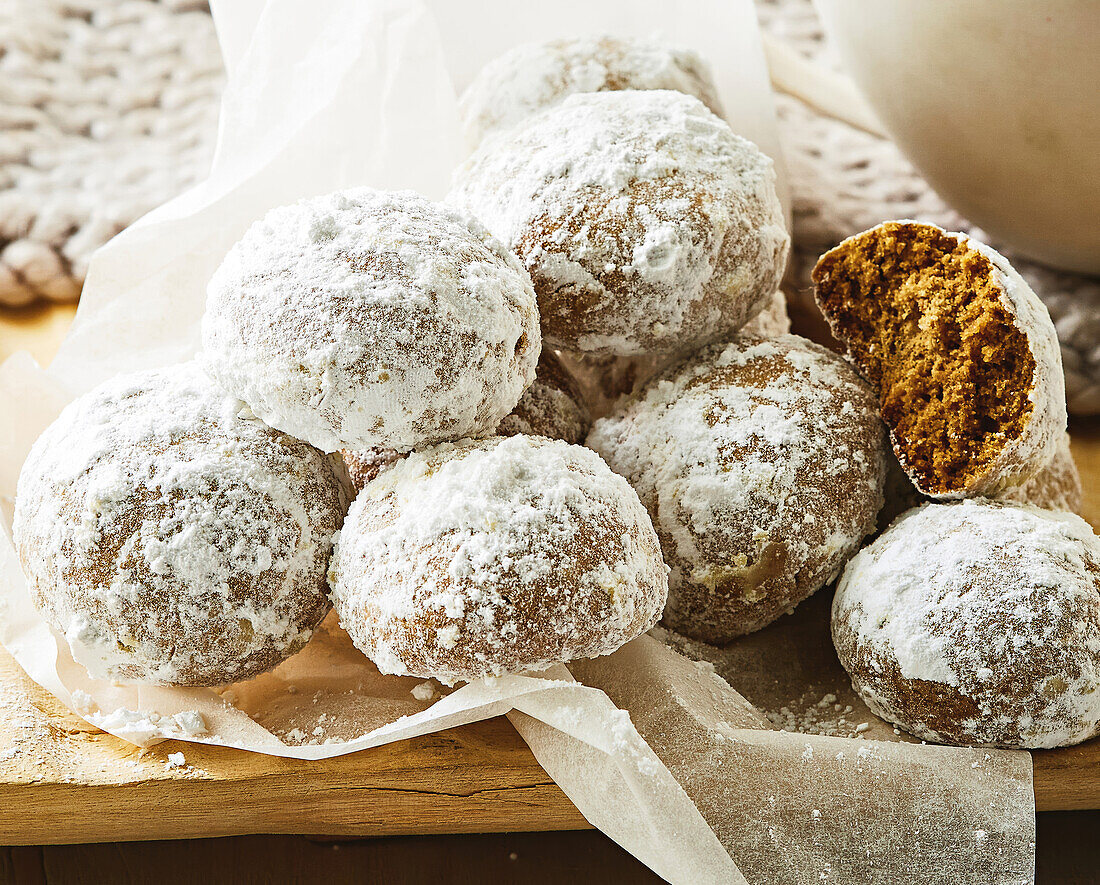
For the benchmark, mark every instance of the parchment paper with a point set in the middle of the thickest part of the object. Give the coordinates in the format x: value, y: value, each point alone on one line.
x: 348, y: 92
x: 809, y: 808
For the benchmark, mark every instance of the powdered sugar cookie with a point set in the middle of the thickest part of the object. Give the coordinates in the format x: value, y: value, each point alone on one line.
x: 171, y: 539
x: 604, y: 379
x: 495, y: 556
x: 762, y: 464
x: 977, y: 623
x: 962, y: 353
x: 367, y: 319
x: 772, y: 321
x: 648, y: 227
x: 552, y: 407
x: 533, y: 76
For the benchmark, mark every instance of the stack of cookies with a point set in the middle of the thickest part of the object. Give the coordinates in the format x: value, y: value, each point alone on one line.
x: 192, y: 525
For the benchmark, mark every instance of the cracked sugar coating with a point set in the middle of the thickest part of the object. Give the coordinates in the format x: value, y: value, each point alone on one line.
x: 171, y: 538
x: 533, y: 76
x: 495, y: 556
x: 762, y: 464
x: 648, y: 227
x: 552, y: 407
x: 962, y: 353
x: 365, y: 319
x: 977, y: 623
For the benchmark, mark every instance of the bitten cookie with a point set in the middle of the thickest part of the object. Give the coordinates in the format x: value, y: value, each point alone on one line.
x: 977, y: 623
x: 961, y: 352
x: 1056, y: 487
x: 172, y: 539
x: 648, y: 227
x: 496, y: 556
x: 367, y: 319
x: 533, y: 76
x: 762, y: 465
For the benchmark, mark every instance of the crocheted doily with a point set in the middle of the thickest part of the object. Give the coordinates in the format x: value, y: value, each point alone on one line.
x: 108, y: 108
x: 844, y: 181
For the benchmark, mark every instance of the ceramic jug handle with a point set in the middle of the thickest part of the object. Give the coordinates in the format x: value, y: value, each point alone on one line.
x: 823, y: 89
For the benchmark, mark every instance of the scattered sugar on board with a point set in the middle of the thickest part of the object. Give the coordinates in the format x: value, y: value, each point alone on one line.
x: 139, y: 725
x: 824, y: 716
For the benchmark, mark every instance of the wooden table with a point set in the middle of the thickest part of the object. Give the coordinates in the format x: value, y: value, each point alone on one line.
x: 1067, y: 855
x: 401, y: 784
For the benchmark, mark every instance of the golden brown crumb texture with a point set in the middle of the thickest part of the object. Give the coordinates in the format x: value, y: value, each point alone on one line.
x: 920, y: 313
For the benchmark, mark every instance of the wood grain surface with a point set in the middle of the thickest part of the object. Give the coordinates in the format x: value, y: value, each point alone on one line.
x: 61, y: 781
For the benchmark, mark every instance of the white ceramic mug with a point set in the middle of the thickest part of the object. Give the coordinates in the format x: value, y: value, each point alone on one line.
x: 996, y: 102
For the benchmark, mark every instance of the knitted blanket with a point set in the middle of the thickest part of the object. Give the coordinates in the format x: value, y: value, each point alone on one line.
x: 108, y: 108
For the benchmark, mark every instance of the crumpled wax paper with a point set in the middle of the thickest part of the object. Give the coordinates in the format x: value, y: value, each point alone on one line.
x: 657, y: 751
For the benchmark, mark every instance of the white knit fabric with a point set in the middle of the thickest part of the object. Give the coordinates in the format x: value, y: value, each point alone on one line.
x: 107, y: 109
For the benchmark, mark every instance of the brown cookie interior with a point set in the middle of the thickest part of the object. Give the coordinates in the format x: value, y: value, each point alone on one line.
x: 922, y: 315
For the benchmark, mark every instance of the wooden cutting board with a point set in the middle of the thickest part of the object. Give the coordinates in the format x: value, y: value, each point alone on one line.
x: 61, y: 781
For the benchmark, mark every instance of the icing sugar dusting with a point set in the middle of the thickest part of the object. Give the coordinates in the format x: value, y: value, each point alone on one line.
x: 1038, y: 445
x: 496, y: 556
x: 762, y: 464
x: 646, y: 224
x: 170, y: 536
x: 364, y: 319
x: 533, y: 76
x: 552, y: 406
x: 1000, y: 603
